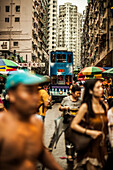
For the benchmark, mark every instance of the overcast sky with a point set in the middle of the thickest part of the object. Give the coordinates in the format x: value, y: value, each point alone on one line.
x: 79, y: 3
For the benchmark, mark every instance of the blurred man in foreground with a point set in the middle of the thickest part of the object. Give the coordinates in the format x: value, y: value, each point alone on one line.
x: 21, y: 138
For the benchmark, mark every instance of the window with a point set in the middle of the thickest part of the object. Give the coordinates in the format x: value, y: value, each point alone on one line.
x: 6, y: 19
x: 15, y: 43
x: 53, y: 58
x: 7, y: 8
x: 61, y: 58
x: 53, y: 79
x: 17, y: 8
x: 17, y: 19
x: 69, y: 58
x: 61, y: 79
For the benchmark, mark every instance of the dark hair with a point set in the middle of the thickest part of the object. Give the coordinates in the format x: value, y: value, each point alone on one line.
x: 87, y: 98
x: 75, y: 88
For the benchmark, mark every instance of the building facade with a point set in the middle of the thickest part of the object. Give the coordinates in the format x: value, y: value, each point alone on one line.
x: 79, y: 38
x: 52, y: 22
x: 69, y: 31
x: 97, y: 39
x: 24, y: 28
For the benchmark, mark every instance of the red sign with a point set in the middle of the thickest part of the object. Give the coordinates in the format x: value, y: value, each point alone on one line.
x: 60, y: 70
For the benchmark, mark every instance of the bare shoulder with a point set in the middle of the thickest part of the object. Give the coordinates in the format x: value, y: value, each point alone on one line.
x: 37, y: 122
x: 84, y: 106
x: 81, y: 113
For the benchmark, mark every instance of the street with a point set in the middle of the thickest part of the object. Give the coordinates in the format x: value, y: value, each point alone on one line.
x: 51, y: 115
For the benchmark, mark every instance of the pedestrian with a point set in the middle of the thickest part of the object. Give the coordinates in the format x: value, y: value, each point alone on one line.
x: 22, y: 133
x: 70, y: 106
x: 44, y: 101
x: 94, y: 111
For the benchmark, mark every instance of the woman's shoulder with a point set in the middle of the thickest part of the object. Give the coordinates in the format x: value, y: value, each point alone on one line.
x: 84, y: 106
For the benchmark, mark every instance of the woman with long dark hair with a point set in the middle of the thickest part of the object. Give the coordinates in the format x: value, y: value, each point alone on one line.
x: 93, y: 110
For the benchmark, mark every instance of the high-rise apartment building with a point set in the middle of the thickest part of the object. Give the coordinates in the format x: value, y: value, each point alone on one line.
x: 52, y: 18
x: 23, y: 26
x: 69, y: 31
x: 97, y: 44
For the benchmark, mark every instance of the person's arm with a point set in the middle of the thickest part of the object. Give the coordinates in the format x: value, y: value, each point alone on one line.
x: 64, y: 108
x: 48, y: 161
x: 75, y: 123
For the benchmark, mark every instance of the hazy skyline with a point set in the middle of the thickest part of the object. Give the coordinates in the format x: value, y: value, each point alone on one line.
x: 79, y: 3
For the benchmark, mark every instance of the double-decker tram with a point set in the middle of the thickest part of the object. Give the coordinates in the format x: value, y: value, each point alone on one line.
x: 61, y: 73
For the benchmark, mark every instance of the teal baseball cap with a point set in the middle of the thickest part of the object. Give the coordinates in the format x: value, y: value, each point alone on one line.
x: 24, y: 77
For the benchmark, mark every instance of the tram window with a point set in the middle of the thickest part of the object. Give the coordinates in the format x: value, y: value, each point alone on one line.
x: 53, y: 58
x: 53, y: 79
x: 69, y: 58
x: 61, y: 58
x: 61, y: 79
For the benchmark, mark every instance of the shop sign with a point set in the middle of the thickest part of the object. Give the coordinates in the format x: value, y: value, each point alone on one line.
x: 33, y: 65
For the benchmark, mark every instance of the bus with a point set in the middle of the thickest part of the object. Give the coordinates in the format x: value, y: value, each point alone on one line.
x: 61, y: 73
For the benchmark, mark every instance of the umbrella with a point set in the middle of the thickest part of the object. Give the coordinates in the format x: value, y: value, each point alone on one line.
x: 5, y: 68
x: 91, y: 70
x: 110, y: 71
x: 9, y: 72
x: 9, y: 63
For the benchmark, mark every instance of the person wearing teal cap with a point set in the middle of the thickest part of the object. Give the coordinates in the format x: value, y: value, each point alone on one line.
x: 21, y: 137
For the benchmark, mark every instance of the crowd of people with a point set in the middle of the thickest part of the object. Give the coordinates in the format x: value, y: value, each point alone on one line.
x: 22, y: 115
x: 95, y: 106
